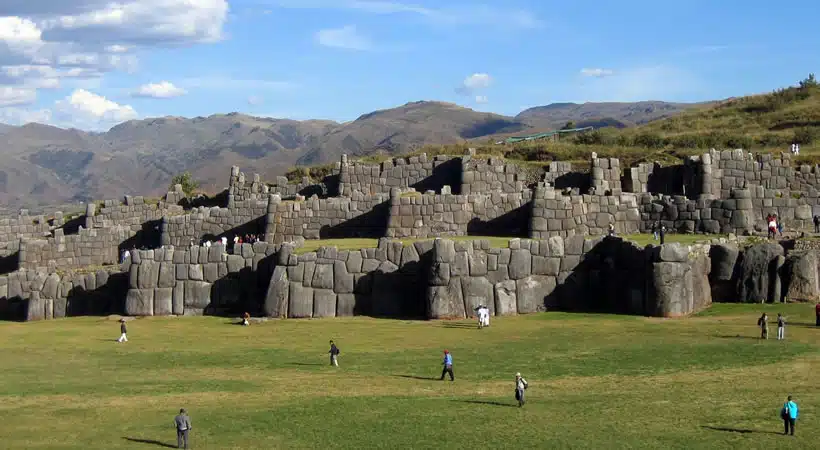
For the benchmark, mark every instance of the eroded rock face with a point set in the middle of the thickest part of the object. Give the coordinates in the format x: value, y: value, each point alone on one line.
x: 800, y: 272
x: 758, y: 274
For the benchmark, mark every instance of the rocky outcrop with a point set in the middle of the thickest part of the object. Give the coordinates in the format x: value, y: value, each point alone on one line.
x: 758, y: 278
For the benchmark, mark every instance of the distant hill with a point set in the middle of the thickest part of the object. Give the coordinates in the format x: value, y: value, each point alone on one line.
x: 49, y: 165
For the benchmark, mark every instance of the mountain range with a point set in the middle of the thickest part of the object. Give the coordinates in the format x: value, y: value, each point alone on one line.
x: 47, y: 165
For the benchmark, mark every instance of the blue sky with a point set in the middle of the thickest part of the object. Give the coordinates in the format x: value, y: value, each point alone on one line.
x: 92, y: 64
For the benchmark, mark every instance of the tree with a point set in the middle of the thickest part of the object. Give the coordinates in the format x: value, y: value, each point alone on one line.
x: 809, y: 82
x: 189, y: 185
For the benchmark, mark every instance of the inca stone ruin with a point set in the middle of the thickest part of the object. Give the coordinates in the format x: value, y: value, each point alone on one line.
x: 557, y: 258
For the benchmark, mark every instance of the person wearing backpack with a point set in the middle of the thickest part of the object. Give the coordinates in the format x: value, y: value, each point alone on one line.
x: 763, y: 323
x: 334, y: 354
x: 789, y: 416
x: 520, y: 387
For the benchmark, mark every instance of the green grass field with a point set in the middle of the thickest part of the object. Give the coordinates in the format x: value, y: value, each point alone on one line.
x: 596, y: 381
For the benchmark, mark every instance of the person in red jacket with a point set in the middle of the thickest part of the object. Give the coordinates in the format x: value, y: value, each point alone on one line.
x: 817, y: 313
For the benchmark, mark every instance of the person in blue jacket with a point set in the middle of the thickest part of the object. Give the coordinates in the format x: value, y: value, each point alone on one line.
x: 789, y: 415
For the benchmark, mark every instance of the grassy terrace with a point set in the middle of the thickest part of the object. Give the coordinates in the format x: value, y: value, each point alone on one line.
x: 596, y: 381
x: 495, y: 241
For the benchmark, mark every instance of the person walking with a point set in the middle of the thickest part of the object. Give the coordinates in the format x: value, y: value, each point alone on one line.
x: 662, y: 233
x: 182, y: 422
x: 816, y: 220
x: 334, y: 354
x: 448, y: 366
x: 789, y: 416
x: 655, y: 226
x: 763, y: 323
x: 520, y: 386
x: 123, y: 331
x: 781, y: 327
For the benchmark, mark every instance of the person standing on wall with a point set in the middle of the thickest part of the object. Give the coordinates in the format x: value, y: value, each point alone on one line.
x: 781, y: 327
x: 123, y: 331
x: 183, y: 425
x: 448, y: 366
x: 763, y: 323
x: 789, y: 416
x: 334, y: 354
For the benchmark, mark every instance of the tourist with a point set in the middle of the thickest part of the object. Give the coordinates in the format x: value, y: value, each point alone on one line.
x: 182, y: 422
x: 781, y: 327
x: 246, y: 320
x: 224, y: 241
x: 485, y: 314
x: 780, y: 228
x: 662, y: 233
x: 789, y: 416
x: 207, y: 244
x: 763, y: 323
x: 448, y: 366
x: 611, y: 229
x: 334, y: 354
x: 123, y: 330
x: 772, y: 227
x: 520, y: 387
x: 817, y: 314
x: 655, y: 230
x: 125, y: 255
x: 816, y: 220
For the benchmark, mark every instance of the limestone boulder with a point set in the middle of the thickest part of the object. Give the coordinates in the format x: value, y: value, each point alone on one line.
x: 323, y: 277
x: 671, y: 292
x: 506, y: 301
x: 197, y: 295
x: 163, y: 301
x: 139, y: 302
x: 324, y: 303
x: 520, y: 264
x: 446, y: 302
x: 724, y: 257
x: 277, y: 298
x: 757, y: 272
x: 300, y: 302
x: 477, y: 291
x: 535, y: 293
x: 802, y: 283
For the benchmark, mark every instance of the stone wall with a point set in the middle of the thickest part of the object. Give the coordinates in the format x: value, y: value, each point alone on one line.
x: 387, y: 281
x: 419, y: 172
x: 605, y: 175
x: 486, y: 175
x: 732, y: 215
x: 414, y: 214
x: 246, y: 217
x: 554, y: 214
x: 305, y: 187
x: 89, y: 247
x: 38, y: 295
x: 22, y: 225
x: 199, y: 280
x: 360, y: 215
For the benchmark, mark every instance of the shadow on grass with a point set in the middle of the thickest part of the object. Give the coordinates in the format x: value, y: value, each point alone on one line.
x: 482, y: 402
x: 737, y: 336
x: 150, y: 442
x: 306, y: 364
x: 459, y: 325
x: 738, y: 430
x: 414, y: 377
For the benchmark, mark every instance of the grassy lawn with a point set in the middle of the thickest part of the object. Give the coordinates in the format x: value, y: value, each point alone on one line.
x: 643, y: 239
x: 597, y: 381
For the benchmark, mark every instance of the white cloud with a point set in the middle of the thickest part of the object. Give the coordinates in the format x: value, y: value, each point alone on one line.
x: 88, y: 111
x: 474, y: 83
x: 254, y: 100
x: 478, y: 15
x: 163, y: 89
x: 481, y: 99
x: 346, y: 37
x: 598, y: 73
x: 10, y: 96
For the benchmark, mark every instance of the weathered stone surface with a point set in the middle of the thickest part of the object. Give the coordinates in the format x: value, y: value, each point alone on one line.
x: 345, y: 305
x: 506, y: 302
x: 323, y: 277
x: 167, y: 275
x: 139, y: 302
x: 671, y: 289
x: 178, y: 301
x: 445, y: 250
x: 148, y: 275
x: 324, y: 303
x: 354, y: 262
x: 701, y: 292
x: 163, y: 301
x: 439, y: 274
x: 35, y: 309
x: 195, y: 272
x: 478, y: 263
x: 409, y: 255
x: 60, y: 306
x: 532, y: 293
x: 520, y: 264
x: 197, y: 295
x: 50, y: 286
x: 460, y: 267
x: 673, y: 253
x: 342, y: 281
x: 446, y: 301
x: 801, y: 270
x: 756, y: 277
x: 235, y: 263
x: 556, y: 246
x: 724, y: 258
x: 477, y: 290
x: 310, y: 268
x: 210, y: 271
x: 277, y: 298
x: 300, y: 302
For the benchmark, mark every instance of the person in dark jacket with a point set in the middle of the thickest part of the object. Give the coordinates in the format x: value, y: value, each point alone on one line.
x: 334, y: 354
x: 123, y: 331
x: 816, y: 220
x: 183, y: 425
x: 763, y: 323
x: 448, y: 366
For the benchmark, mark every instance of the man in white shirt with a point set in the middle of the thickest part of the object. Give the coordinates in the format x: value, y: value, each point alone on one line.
x: 485, y: 316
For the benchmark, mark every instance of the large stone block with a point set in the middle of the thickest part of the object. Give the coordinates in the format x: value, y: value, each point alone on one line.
x: 533, y: 292
x: 758, y: 267
x: 477, y: 291
x: 195, y: 272
x: 801, y: 270
x: 520, y: 264
x: 724, y: 257
x: 478, y: 263
x: 323, y: 277
x: 148, y: 274
x: 139, y: 302
x: 197, y: 295
x: 324, y: 303
x: 506, y: 302
x: 35, y: 307
x: 277, y: 298
x: 167, y: 275
x: 342, y: 281
x: 674, y: 252
x: 354, y: 262
x: 446, y: 301
x: 50, y: 286
x: 300, y: 304
x: 671, y: 290
x: 345, y: 305
x: 235, y: 263
x: 178, y: 300
x: 163, y: 301
x: 445, y: 250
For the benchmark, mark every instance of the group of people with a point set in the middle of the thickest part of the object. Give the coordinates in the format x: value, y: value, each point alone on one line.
x: 774, y: 226
x: 483, y: 314
x: 658, y: 231
x: 795, y: 149
x: 763, y: 323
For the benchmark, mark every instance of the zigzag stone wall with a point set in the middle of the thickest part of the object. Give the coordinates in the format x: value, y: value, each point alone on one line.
x: 420, y: 172
x: 89, y: 247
